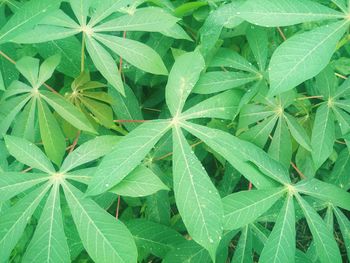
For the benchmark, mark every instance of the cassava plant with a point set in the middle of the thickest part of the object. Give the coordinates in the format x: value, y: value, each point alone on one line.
x: 175, y: 131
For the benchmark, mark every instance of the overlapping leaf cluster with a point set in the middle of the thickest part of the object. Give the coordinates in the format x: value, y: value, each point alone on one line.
x: 174, y: 131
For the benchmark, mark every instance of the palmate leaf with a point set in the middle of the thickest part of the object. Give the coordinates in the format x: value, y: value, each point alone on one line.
x: 280, y: 246
x: 49, y: 242
x: 326, y: 246
x: 105, y: 238
x: 196, y: 197
x: 310, y: 52
x: 243, y: 252
x: 272, y: 13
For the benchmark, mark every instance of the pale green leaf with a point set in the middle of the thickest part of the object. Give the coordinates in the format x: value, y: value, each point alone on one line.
x: 27, y: 16
x: 212, y: 82
x: 298, y: 132
x: 344, y: 225
x: 150, y: 19
x: 272, y: 13
x: 325, y: 244
x: 130, y: 151
x: 222, y: 106
x: 140, y: 182
x: 258, y: 41
x: 245, y: 207
x: 197, y: 199
x: 182, y: 78
x: 49, y: 242
x: 244, y: 251
x: 237, y: 153
x: 323, y: 135
x: 81, y: 9
x: 104, y: 238
x: 154, y: 238
x: 13, y: 183
x: 137, y: 54
x: 14, y: 221
x: 310, y: 52
x: 29, y: 68
x: 280, y: 246
x: 324, y: 191
x: 89, y: 151
x: 28, y: 153
x: 105, y: 63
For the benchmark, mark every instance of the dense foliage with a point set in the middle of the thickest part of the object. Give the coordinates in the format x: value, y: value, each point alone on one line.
x: 174, y: 131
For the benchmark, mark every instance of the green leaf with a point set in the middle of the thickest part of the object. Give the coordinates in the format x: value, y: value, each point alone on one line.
x: 244, y: 207
x: 137, y: 54
x: 29, y: 68
x: 339, y: 174
x: 326, y: 247
x: 105, y: 8
x: 51, y: 134
x: 25, y: 123
x: 13, y: 183
x: 104, y: 238
x: 222, y: 106
x: 130, y: 151
x: 197, y: 199
x: 47, y: 68
x: 258, y: 41
x: 311, y: 52
x: 150, y: 19
x: 14, y: 221
x: 140, y: 182
x: 28, y: 153
x: 67, y: 111
x: 89, y: 151
x: 102, y: 112
x: 298, y: 132
x: 182, y: 78
x: 105, y: 63
x: 324, y: 191
x: 81, y: 9
x: 189, y: 252
x: 49, y: 242
x: 27, y: 16
x: 9, y: 109
x: 154, y: 238
x: 272, y: 13
x: 344, y: 225
x: 281, y: 146
x: 323, y: 135
x: 236, y: 152
x: 212, y: 82
x: 244, y: 250
x: 280, y: 246
x: 126, y: 108
x: 229, y: 58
